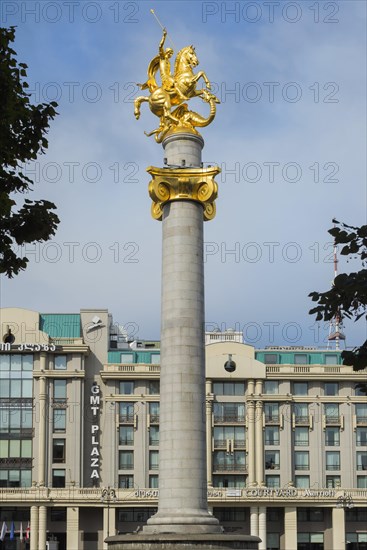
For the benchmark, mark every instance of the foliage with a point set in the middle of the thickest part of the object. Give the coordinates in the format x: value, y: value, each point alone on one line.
x: 23, y: 128
x: 348, y: 295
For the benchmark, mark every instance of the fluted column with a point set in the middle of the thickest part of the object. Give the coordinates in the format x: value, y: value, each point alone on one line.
x: 338, y: 527
x: 209, y: 450
x: 254, y: 521
x: 262, y: 527
x: 42, y: 526
x: 72, y: 527
x: 259, y: 439
x: 34, y: 528
x: 290, y: 527
x: 42, y: 422
x: 251, y: 443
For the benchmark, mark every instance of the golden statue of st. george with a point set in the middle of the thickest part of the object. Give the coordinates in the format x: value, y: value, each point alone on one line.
x: 167, y: 101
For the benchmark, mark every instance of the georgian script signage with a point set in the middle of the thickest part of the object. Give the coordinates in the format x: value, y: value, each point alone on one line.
x: 27, y: 347
x: 94, y: 401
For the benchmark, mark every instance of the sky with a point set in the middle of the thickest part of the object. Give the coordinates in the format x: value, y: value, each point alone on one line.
x: 289, y: 136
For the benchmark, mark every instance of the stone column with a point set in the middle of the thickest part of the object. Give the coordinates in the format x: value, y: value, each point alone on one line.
x: 254, y: 521
x: 262, y: 527
x: 34, y: 528
x: 42, y: 526
x: 251, y: 443
x: 259, y: 439
x: 43, y: 413
x: 72, y: 527
x: 290, y: 527
x: 209, y: 450
x: 182, y: 504
x: 338, y: 527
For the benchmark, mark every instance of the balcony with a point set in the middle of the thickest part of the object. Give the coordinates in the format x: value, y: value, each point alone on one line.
x: 154, y: 418
x: 229, y: 419
x: 222, y: 443
x: 126, y: 418
x: 229, y: 468
x: 302, y: 419
x: 332, y: 467
x: 361, y: 420
x: 301, y: 466
x: 272, y: 419
x: 333, y: 420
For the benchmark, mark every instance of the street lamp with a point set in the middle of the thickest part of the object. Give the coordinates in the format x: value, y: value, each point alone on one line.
x: 345, y: 501
x: 108, y: 495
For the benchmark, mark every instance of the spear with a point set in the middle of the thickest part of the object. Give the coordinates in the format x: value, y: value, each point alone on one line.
x: 162, y: 27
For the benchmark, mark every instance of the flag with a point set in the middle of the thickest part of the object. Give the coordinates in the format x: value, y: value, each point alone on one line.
x: 12, y: 531
x: 27, y: 531
x: 21, y: 531
x: 4, y: 529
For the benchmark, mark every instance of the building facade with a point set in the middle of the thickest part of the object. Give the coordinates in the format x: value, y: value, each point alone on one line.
x: 79, y: 436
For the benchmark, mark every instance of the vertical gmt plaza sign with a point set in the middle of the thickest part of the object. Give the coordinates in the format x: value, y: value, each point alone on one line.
x: 94, y: 402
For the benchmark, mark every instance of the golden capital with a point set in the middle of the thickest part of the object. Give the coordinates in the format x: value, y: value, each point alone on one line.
x: 174, y: 184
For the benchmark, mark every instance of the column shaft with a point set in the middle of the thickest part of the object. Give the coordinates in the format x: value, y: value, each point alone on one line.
x: 42, y: 423
x: 209, y: 452
x: 42, y: 526
x: 72, y: 527
x: 34, y: 528
x: 251, y: 442
x: 338, y: 524
x: 254, y: 521
x: 290, y: 527
x: 262, y: 527
x: 259, y: 439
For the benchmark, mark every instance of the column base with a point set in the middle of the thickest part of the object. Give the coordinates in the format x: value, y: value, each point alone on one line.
x: 179, y: 522
x: 182, y: 542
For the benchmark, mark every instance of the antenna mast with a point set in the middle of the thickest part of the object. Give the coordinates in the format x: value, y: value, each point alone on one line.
x: 335, y: 323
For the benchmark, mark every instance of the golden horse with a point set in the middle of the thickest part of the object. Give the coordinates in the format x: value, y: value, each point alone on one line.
x: 162, y: 100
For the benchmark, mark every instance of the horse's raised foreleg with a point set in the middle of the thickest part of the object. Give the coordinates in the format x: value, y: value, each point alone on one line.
x: 202, y: 74
x: 138, y: 101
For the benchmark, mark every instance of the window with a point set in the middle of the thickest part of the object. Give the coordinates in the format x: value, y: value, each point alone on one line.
x: 155, y: 358
x: 229, y: 412
x: 58, y: 514
x: 59, y: 390
x: 300, y: 359
x: 154, y: 387
x: 58, y: 450
x: 224, y: 433
x: 229, y: 514
x: 331, y: 388
x: 331, y: 411
x: 361, y: 437
x: 301, y: 436
x: 332, y: 460
x: 361, y: 412
x: 332, y: 437
x: 274, y: 514
x: 127, y: 358
x: 126, y: 412
x: 333, y: 482
x: 357, y: 541
x: 154, y: 411
x: 361, y: 460
x: 126, y: 482
x: 362, y: 482
x: 356, y: 514
x: 300, y: 388
x: 126, y: 435
x: 230, y: 462
x: 229, y: 481
x: 272, y: 481
x: 60, y: 362
x: 135, y: 514
x: 229, y: 388
x: 331, y: 359
x: 271, y: 387
x: 270, y: 358
x: 310, y: 514
x: 153, y: 460
x: 302, y: 482
x: 310, y: 541
x: 359, y: 391
x: 15, y: 448
x: 58, y: 478
x: 301, y: 460
x: 272, y: 460
x: 59, y: 420
x: 154, y: 435
x: 271, y: 412
x: 273, y: 541
x: 301, y: 412
x: 126, y: 460
x: 271, y: 435
x: 126, y: 387
x: 153, y: 482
